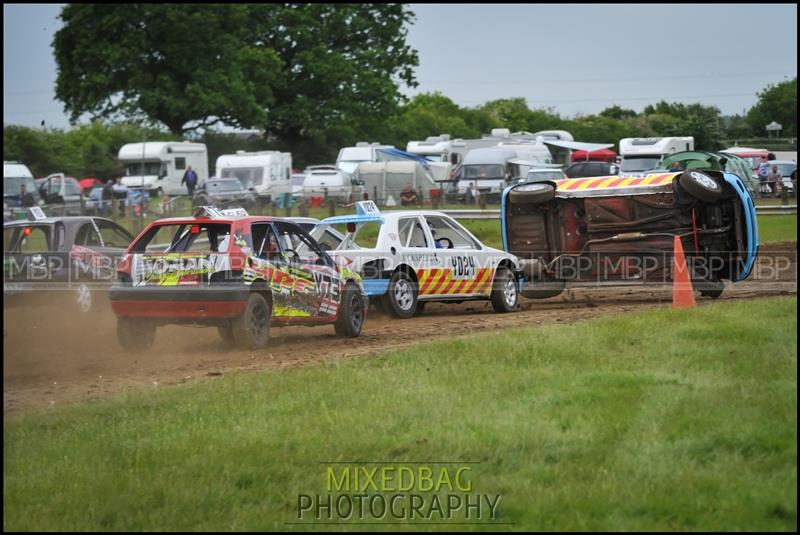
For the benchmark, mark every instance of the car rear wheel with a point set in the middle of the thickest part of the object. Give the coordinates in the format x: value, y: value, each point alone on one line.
x: 226, y: 333
x: 700, y: 186
x: 135, y: 335
x: 350, y: 318
x: 251, y: 329
x: 505, y: 291
x: 532, y: 193
x: 402, y: 297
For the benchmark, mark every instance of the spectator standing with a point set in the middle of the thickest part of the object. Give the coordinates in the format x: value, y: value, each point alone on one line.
x: 775, y: 181
x: 763, y: 171
x: 473, y: 193
x: 190, y: 178
x: 121, y: 193
x: 26, y: 200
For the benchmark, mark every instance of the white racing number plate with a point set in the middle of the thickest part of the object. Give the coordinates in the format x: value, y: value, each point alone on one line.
x: 463, y: 267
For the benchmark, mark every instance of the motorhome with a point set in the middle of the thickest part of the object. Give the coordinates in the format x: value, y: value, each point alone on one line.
x: 158, y: 166
x: 489, y: 169
x: 640, y: 155
x: 268, y: 174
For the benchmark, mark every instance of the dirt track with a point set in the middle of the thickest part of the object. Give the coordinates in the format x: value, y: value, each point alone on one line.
x: 53, y: 356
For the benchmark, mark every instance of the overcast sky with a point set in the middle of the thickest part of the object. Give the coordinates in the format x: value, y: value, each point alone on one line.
x: 577, y: 59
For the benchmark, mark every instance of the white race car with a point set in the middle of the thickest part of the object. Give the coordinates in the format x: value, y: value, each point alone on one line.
x: 408, y: 258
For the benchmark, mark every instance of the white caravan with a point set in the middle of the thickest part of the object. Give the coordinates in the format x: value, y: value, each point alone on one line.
x: 158, y: 166
x: 266, y: 173
x: 640, y: 155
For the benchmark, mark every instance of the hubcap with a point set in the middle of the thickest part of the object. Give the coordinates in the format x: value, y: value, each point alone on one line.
x: 258, y: 317
x: 510, y: 292
x: 84, y: 298
x: 403, y: 295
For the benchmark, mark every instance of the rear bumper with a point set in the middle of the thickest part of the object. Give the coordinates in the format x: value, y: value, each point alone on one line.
x: 178, y: 303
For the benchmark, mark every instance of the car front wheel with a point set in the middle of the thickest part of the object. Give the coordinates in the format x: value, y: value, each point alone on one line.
x: 505, y: 291
x: 350, y: 317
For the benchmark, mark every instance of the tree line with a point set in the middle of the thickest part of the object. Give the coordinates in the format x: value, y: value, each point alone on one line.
x: 311, y: 77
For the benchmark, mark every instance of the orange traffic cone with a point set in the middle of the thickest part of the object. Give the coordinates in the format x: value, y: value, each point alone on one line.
x: 682, y: 290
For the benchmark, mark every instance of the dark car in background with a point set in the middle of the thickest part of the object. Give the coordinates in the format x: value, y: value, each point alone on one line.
x: 224, y: 193
x: 74, y: 254
x: 584, y: 169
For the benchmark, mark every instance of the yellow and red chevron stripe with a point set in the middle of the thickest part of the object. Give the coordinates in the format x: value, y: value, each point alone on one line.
x: 577, y: 184
x: 439, y: 281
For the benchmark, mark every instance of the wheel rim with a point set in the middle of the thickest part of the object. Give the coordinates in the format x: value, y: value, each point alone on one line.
x: 356, y: 311
x: 258, y: 321
x: 84, y: 298
x: 705, y: 181
x: 510, y: 292
x: 403, y: 295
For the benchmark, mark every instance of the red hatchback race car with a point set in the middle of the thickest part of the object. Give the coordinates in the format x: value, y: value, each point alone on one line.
x: 236, y: 272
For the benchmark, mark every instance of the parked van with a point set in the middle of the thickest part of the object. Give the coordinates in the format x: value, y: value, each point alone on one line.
x: 640, y: 155
x: 158, y: 166
x: 326, y: 181
x: 490, y: 169
x: 349, y: 157
x: 267, y: 173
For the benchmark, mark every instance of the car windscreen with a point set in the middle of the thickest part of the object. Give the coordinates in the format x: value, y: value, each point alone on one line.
x: 224, y: 186
x: 27, y: 239
x: 633, y: 164
x: 487, y: 171
x: 11, y: 186
x: 785, y: 169
x: 185, y: 237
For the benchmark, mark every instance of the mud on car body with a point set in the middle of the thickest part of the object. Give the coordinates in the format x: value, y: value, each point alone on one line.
x: 409, y: 258
x: 235, y: 272
x: 75, y: 254
x: 617, y: 230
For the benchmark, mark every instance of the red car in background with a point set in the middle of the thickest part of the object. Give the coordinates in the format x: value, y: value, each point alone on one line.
x: 88, y: 183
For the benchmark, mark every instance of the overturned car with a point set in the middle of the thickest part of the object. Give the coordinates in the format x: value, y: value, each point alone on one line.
x: 619, y: 230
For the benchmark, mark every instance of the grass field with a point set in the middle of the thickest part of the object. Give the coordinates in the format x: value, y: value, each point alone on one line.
x: 664, y: 420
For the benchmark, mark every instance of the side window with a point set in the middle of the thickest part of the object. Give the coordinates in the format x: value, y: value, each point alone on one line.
x: 449, y: 235
x: 180, y: 164
x: 87, y: 236
x: 297, y: 246
x: 265, y: 242
x: 113, y: 236
x: 26, y: 240
x: 411, y: 233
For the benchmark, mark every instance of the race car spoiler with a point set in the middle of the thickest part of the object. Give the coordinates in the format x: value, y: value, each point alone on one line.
x: 366, y: 211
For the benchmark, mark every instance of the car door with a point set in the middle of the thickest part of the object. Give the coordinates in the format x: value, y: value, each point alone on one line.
x: 307, y: 281
x: 469, y: 266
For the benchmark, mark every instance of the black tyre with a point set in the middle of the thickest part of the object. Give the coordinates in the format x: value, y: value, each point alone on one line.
x: 700, y: 186
x: 535, y: 193
x: 351, y: 312
x: 226, y: 333
x: 401, y: 301
x: 543, y: 290
x: 251, y: 329
x: 135, y: 335
x: 707, y: 288
x: 505, y: 291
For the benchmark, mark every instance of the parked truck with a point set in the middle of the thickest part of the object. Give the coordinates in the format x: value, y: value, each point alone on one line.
x: 158, y: 166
